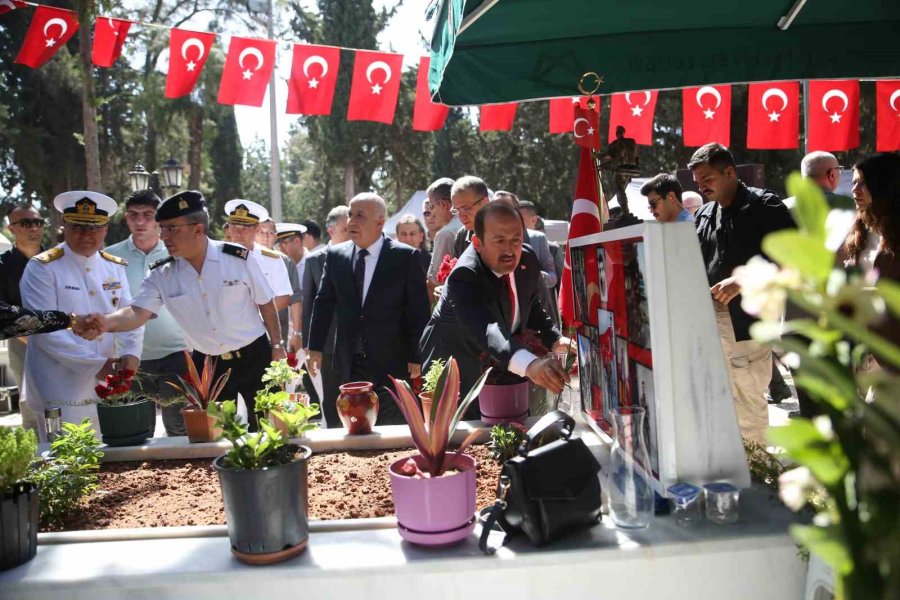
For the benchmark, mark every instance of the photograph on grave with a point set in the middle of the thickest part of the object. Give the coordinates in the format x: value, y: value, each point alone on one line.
x: 604, y: 280
x: 635, y: 269
x: 642, y: 384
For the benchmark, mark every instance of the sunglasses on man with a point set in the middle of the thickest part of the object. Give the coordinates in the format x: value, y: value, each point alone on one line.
x: 29, y: 223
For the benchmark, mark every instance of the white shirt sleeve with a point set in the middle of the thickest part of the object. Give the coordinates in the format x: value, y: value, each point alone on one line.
x: 150, y: 296
x: 260, y: 290
x: 281, y: 279
x: 129, y: 342
x: 520, y: 361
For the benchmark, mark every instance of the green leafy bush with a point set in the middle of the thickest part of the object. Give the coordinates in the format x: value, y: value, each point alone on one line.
x: 68, y: 473
x: 505, y: 441
x: 17, y: 450
x: 429, y: 382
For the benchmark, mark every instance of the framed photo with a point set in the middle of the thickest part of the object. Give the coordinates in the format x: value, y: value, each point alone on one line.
x: 604, y: 276
x: 635, y: 269
x: 642, y: 383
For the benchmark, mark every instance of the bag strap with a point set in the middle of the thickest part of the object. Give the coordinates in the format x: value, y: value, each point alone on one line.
x: 557, y: 419
x: 491, y: 516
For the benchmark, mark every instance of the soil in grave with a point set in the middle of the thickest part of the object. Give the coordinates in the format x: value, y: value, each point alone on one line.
x: 170, y: 493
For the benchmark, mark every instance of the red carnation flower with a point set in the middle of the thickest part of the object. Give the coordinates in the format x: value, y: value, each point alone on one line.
x: 446, y: 268
x: 292, y: 360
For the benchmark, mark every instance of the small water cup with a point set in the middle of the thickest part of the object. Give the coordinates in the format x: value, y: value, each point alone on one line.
x: 721, y: 503
x: 685, y: 501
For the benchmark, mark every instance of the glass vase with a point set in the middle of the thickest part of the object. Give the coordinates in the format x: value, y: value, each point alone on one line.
x: 628, y: 485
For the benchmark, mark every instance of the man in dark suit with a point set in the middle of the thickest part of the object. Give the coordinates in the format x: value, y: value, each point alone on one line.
x: 375, y: 288
x: 492, y: 294
x: 336, y: 225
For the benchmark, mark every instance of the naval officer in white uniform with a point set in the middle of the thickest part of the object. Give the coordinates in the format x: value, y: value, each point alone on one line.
x: 76, y: 277
x: 217, y: 295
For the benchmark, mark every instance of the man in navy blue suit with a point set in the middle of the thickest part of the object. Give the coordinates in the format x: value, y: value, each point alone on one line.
x: 375, y: 288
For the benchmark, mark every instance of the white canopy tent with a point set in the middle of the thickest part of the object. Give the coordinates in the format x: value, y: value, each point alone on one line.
x: 413, y: 206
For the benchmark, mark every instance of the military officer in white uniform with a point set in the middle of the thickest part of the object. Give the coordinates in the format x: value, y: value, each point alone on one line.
x: 61, y: 370
x: 243, y: 219
x: 217, y: 295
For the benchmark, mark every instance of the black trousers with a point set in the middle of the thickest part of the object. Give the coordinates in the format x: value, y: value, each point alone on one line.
x: 247, y: 366
x: 388, y: 411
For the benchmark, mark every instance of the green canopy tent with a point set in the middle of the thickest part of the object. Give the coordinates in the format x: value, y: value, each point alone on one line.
x: 505, y: 50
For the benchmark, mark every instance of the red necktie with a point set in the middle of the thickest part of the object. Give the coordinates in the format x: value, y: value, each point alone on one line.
x: 512, y: 300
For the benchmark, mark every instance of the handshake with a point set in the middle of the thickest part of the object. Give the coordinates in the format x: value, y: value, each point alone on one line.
x: 89, y: 326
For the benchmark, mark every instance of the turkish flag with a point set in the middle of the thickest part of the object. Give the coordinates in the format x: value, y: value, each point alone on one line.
x: 188, y: 51
x: 887, y: 111
x: 49, y: 31
x: 633, y: 111
x: 586, y: 220
x: 497, y: 117
x: 586, y: 127
x: 707, y: 115
x: 248, y: 68
x: 773, y: 116
x: 833, y: 115
x: 427, y: 115
x: 375, y: 87
x: 109, y: 38
x: 10, y: 5
x: 313, y: 77
x: 562, y: 112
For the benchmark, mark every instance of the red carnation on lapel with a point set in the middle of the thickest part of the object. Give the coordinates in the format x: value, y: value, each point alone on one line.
x: 314, y: 73
x: 375, y: 87
x: 109, y: 39
x: 49, y: 31
x: 188, y: 51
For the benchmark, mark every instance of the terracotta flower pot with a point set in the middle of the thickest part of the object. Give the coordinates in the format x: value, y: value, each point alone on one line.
x: 200, y: 426
x: 426, y: 398
x: 357, y: 407
x: 503, y: 403
x: 438, y: 511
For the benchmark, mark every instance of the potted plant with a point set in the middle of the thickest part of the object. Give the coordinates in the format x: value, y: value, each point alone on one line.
x: 264, y: 484
x: 19, y: 506
x: 126, y: 417
x: 429, y: 382
x: 434, y: 490
x: 199, y: 392
x: 274, y: 396
x: 506, y: 396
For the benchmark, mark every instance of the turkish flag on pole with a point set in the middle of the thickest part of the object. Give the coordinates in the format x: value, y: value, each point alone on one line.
x: 887, y: 111
x: 497, y: 117
x: 633, y: 111
x: 833, y: 115
x: 109, y: 38
x: 562, y: 112
x: 188, y: 51
x: 707, y: 115
x: 585, y: 220
x: 375, y: 87
x: 248, y: 68
x: 773, y: 116
x: 49, y: 31
x: 427, y: 115
x: 586, y: 127
x: 313, y: 77
x: 10, y: 5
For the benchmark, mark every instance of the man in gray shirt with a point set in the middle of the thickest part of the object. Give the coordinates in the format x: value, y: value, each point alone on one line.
x: 442, y: 244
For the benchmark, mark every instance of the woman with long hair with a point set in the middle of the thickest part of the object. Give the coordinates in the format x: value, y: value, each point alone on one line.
x: 410, y: 231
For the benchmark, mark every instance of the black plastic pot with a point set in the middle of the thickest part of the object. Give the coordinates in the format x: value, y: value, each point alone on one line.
x: 127, y: 425
x: 19, y: 515
x: 266, y: 509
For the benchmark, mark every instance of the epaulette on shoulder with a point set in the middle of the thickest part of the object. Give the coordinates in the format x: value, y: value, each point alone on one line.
x: 269, y: 253
x: 113, y: 258
x: 50, y: 255
x: 161, y: 262
x: 235, y: 250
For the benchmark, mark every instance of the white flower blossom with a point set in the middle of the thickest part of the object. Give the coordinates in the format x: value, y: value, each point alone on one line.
x: 763, y: 288
x: 823, y: 424
x: 794, y: 487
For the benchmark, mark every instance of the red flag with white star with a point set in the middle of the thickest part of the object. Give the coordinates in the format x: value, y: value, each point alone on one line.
x: 313, y: 77
x: 248, y: 68
x: 586, y: 127
x: 833, y: 115
x: 887, y: 111
x: 633, y: 111
x: 109, y: 39
x: 49, y: 31
x: 188, y: 51
x: 707, y: 115
x: 773, y: 116
x: 427, y: 115
x: 10, y: 5
x: 562, y: 112
x: 497, y: 117
x: 375, y: 87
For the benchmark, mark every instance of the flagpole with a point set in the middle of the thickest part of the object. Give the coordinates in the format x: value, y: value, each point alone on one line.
x: 275, y: 169
x: 805, y: 117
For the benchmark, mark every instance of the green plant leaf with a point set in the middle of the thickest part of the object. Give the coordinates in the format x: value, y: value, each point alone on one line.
x: 806, y: 444
x: 890, y: 292
x: 800, y: 251
x: 811, y: 209
x: 827, y: 544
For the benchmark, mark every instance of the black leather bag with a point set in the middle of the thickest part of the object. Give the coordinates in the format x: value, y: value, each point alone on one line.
x: 548, y: 491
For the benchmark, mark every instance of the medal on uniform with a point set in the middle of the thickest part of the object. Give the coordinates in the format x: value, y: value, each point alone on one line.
x: 115, y: 301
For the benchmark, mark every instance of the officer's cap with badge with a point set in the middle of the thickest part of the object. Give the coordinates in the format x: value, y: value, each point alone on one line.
x: 285, y: 231
x: 85, y: 209
x: 245, y: 212
x: 182, y: 203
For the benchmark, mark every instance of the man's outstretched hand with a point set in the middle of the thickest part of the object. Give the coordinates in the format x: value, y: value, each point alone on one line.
x: 547, y: 373
x: 90, y: 326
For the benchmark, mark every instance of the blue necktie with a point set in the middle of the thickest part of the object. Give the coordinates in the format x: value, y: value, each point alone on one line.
x: 359, y: 273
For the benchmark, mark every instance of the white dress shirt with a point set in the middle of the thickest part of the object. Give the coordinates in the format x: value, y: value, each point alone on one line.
x: 274, y: 270
x: 371, y: 261
x: 519, y: 361
x: 218, y: 308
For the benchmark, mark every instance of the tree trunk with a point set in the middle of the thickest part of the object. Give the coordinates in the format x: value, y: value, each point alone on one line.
x: 88, y: 108
x: 195, y: 151
x: 349, y: 181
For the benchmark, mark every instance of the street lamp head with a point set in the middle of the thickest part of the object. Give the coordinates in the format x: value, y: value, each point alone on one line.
x: 172, y: 171
x: 140, y: 178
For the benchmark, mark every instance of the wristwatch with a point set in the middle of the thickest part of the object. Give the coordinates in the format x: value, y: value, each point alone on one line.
x: 277, y: 346
x: 73, y: 321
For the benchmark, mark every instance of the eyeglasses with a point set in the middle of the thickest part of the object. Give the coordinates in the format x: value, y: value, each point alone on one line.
x: 838, y: 168
x: 652, y: 203
x: 426, y: 213
x: 30, y: 223
x: 268, y: 233
x: 171, y: 228
x: 466, y: 209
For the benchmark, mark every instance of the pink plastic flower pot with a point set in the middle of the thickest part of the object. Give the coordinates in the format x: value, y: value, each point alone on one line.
x: 437, y: 511
x: 503, y: 403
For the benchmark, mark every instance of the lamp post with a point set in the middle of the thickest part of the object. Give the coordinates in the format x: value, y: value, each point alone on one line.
x: 172, y: 173
x: 140, y: 178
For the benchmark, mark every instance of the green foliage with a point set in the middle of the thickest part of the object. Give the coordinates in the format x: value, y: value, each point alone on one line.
x: 429, y: 382
x: 505, y: 441
x: 17, y: 449
x: 276, y: 377
x: 69, y: 473
x: 764, y: 468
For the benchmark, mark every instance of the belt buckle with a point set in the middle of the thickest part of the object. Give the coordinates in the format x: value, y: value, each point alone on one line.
x: 226, y: 356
